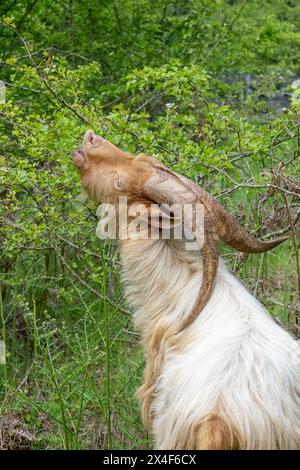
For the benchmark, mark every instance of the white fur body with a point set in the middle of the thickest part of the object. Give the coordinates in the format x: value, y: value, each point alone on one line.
x: 234, y: 360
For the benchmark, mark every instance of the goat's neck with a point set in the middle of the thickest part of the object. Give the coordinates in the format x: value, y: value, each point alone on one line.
x: 162, y: 281
x: 157, y: 274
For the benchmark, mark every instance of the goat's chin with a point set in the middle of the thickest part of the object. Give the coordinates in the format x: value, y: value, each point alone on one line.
x: 226, y: 382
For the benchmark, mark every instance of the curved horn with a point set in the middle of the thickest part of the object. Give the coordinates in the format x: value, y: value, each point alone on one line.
x: 165, y: 187
x: 210, y: 258
x: 228, y: 229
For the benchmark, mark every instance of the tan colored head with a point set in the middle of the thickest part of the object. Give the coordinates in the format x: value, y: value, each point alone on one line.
x: 103, y: 166
x: 107, y: 173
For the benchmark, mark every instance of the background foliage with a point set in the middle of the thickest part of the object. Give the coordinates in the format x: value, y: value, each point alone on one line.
x: 205, y: 86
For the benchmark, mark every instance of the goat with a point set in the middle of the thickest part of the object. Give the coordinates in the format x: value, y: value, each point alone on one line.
x: 220, y: 372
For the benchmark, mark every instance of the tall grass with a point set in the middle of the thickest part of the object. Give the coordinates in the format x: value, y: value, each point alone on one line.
x: 72, y: 377
x: 74, y: 363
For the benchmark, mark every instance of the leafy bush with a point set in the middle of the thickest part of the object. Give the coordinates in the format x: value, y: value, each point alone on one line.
x: 202, y: 86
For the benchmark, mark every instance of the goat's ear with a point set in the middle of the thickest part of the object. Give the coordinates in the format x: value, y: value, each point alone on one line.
x: 154, y: 215
x: 118, y: 182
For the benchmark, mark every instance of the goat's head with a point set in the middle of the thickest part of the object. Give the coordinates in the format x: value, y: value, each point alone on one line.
x: 103, y: 167
x: 107, y: 173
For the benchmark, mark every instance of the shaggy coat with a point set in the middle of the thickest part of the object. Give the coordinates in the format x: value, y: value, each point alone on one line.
x: 230, y: 380
x: 225, y: 376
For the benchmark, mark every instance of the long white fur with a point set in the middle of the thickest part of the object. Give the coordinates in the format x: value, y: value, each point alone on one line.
x: 234, y: 358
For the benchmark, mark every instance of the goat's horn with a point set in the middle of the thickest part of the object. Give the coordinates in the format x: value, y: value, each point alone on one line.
x: 228, y: 229
x: 210, y: 258
x: 167, y: 187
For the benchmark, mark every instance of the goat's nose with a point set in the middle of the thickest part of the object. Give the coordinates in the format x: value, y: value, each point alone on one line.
x: 88, y: 136
x: 92, y: 138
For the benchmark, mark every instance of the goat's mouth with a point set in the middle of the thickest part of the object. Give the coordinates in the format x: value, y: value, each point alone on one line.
x: 78, y: 157
x: 90, y: 142
x: 80, y: 151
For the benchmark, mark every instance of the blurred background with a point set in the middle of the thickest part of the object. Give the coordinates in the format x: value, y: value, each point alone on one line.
x: 208, y: 87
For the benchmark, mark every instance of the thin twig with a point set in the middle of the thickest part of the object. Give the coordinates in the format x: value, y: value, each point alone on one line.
x: 42, y: 79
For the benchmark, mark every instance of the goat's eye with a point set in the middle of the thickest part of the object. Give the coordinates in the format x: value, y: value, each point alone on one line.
x: 118, y: 182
